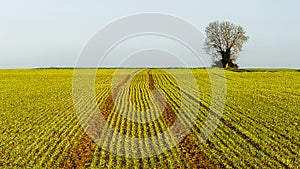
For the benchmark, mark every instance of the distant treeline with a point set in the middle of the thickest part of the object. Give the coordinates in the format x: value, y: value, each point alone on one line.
x: 234, y: 70
x: 120, y: 68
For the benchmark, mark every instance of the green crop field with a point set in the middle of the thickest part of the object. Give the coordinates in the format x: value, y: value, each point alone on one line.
x: 259, y: 128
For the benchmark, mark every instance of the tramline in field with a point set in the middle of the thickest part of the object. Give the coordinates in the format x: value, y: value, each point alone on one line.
x: 259, y: 127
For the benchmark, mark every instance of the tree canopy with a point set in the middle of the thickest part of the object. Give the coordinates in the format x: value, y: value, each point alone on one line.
x: 224, y: 41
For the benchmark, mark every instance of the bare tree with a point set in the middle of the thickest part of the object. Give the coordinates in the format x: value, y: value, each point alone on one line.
x: 224, y: 41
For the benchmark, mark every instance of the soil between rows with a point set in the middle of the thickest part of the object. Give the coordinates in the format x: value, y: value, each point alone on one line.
x: 190, y: 154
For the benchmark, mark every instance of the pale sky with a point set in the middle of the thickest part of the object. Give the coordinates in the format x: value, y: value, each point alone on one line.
x: 46, y: 33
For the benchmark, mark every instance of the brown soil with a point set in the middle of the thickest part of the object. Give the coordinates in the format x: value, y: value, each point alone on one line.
x: 82, y: 154
x: 191, y: 156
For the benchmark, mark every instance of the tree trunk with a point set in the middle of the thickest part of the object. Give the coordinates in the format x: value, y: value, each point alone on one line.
x: 225, y: 58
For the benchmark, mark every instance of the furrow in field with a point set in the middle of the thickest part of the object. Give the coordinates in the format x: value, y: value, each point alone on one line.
x: 171, y: 155
x: 59, y: 143
x: 249, y: 139
x: 69, y: 127
x: 284, y: 135
x: 68, y: 146
x: 191, y: 97
x: 84, y: 151
x: 189, y: 150
x: 261, y: 127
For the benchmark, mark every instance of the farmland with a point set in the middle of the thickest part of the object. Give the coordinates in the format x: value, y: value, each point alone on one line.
x: 259, y: 128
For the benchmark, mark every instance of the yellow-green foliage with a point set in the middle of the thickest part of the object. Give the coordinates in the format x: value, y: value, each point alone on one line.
x: 260, y: 126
